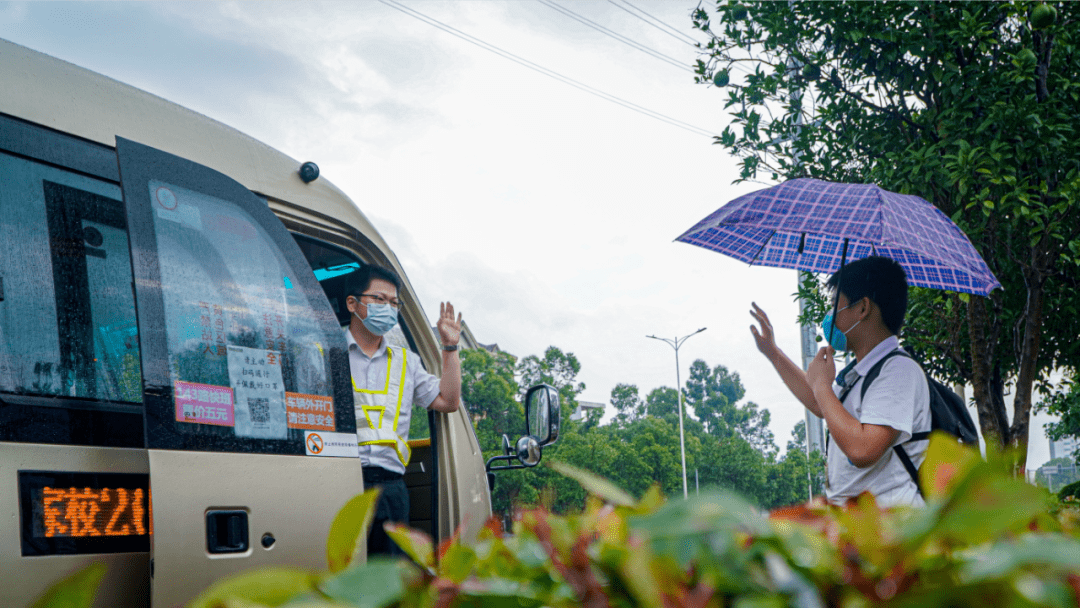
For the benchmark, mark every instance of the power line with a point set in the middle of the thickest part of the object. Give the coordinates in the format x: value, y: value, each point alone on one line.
x: 663, y: 27
x: 603, y: 30
x: 545, y: 71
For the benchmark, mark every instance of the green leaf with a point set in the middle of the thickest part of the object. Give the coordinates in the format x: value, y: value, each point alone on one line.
x: 457, y: 563
x: 499, y: 593
x: 270, y: 586
x: 945, y: 465
x: 414, y: 543
x: 375, y: 584
x: 349, y: 529
x: 76, y: 591
x: 1033, y: 550
x: 594, y: 484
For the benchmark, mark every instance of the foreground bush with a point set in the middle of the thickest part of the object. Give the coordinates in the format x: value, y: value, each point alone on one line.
x: 984, y: 539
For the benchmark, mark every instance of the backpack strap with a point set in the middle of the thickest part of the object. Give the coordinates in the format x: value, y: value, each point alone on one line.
x: 902, y: 454
x: 875, y: 371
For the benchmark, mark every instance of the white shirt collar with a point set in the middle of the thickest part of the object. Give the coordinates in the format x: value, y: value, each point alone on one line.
x: 353, y: 346
x: 883, y: 348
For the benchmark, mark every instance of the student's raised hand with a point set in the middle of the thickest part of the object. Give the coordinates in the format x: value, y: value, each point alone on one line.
x: 822, y: 369
x: 766, y: 342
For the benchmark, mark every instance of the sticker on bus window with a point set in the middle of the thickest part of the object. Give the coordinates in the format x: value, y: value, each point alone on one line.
x: 340, y: 445
x: 169, y: 207
x: 203, y: 403
x: 255, y: 376
x: 315, y: 412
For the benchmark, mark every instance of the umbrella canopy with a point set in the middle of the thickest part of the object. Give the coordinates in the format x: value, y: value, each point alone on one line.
x: 809, y: 225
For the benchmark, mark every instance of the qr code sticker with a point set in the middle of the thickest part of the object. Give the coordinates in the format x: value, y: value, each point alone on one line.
x: 259, y: 407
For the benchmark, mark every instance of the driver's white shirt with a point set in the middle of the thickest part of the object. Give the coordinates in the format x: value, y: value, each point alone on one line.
x: 420, y: 388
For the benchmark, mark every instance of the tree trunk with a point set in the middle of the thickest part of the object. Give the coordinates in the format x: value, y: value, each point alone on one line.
x: 1028, y: 356
x: 991, y: 421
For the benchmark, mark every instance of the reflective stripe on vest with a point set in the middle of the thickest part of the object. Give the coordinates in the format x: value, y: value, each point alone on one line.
x: 374, y: 424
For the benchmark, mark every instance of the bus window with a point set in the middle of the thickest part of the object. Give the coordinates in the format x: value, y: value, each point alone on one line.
x: 67, y: 318
x: 243, y: 354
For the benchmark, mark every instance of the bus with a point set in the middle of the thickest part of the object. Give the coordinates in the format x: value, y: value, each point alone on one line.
x: 175, y: 395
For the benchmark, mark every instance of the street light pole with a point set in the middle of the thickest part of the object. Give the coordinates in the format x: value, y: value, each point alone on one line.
x: 676, y: 343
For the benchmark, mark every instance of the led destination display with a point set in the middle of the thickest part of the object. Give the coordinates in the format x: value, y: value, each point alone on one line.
x: 67, y: 513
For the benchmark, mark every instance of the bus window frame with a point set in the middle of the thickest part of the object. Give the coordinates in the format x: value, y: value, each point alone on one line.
x: 90, y: 422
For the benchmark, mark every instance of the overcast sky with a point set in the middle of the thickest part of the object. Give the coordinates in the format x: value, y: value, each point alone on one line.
x: 546, y: 214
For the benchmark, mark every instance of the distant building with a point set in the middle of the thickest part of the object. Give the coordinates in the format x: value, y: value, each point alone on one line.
x: 1063, y: 448
x: 583, y: 407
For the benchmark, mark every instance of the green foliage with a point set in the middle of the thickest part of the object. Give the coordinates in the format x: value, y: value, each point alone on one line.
x: 984, y: 538
x: 627, y: 403
x: 349, y: 529
x: 730, y: 447
x: 1065, y: 405
x: 973, y: 106
x: 75, y: 591
x: 713, y: 394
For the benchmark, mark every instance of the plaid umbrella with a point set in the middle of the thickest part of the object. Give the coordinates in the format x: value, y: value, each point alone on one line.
x: 813, y: 225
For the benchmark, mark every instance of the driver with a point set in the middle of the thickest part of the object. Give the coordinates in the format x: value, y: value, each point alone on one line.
x: 387, y: 381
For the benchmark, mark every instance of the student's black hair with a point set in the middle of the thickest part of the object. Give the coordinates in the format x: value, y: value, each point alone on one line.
x: 880, y: 279
x: 360, y: 281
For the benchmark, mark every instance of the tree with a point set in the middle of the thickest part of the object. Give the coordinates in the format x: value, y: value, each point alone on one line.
x: 788, y: 478
x: 1066, y: 405
x: 628, y: 405
x: 663, y: 402
x: 489, y: 391
x: 714, y: 395
x: 734, y: 464
x: 558, y: 369
x: 972, y: 106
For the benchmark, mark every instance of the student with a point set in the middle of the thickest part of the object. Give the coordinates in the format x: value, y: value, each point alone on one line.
x: 871, y: 298
x: 387, y: 381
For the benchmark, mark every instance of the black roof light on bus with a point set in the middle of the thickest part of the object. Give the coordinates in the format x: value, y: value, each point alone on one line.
x: 309, y: 172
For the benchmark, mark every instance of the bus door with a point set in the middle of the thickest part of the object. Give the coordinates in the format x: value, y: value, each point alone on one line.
x: 248, y: 409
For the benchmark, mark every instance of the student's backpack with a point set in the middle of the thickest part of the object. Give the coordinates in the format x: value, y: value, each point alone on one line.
x: 948, y: 413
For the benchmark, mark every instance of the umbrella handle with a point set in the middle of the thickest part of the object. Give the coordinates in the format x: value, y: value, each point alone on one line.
x: 836, y: 300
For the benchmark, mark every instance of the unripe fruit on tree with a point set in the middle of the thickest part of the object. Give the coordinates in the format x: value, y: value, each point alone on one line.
x: 1025, y: 57
x: 811, y: 71
x: 721, y: 78
x: 1043, y: 16
x: 738, y: 12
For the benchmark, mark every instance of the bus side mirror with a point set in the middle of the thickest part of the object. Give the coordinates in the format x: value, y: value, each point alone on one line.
x: 542, y: 414
x: 542, y: 417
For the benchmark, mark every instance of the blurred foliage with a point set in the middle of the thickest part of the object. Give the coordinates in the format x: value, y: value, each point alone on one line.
x: 983, y: 538
x: 75, y: 591
x: 972, y: 106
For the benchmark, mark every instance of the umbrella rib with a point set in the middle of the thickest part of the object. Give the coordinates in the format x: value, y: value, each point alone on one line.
x: 763, y: 246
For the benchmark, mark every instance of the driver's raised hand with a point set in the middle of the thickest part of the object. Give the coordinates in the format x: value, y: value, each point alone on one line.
x: 449, y: 327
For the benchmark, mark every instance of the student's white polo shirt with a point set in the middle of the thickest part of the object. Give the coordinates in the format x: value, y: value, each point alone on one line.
x: 898, y: 398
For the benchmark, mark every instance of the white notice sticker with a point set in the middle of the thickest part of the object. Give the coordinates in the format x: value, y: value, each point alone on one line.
x: 255, y: 376
x: 322, y: 443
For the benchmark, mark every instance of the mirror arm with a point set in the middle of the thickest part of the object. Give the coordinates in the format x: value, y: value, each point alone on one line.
x: 505, y: 467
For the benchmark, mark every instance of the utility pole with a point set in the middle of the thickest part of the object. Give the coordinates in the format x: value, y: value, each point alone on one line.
x: 815, y: 428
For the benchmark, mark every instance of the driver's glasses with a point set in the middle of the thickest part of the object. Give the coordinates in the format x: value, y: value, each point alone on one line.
x: 377, y: 298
